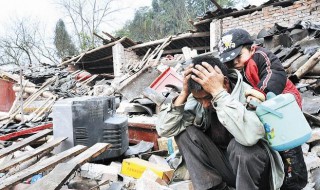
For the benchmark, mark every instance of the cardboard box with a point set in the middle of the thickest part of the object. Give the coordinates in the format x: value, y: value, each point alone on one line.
x: 134, y: 167
x: 168, y: 144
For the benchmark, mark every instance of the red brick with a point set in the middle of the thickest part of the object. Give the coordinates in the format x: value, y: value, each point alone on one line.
x: 266, y: 18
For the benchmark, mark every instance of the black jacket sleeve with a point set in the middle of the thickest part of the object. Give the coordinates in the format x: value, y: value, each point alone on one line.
x: 272, y: 75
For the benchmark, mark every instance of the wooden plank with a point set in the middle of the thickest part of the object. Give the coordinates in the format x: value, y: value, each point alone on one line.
x: 105, y: 41
x: 60, y: 174
x: 44, y: 148
x: 56, y: 178
x: 91, y: 51
x: 110, y: 36
x: 289, y: 61
x: 172, y: 51
x: 41, y: 166
x: 92, y: 152
x: 177, y: 37
x: 218, y: 6
x: 305, y: 68
x: 32, y: 90
x: 25, y: 132
x: 6, y: 151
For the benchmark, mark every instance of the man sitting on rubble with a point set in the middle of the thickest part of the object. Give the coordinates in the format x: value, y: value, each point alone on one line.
x: 264, y: 72
x: 220, y: 139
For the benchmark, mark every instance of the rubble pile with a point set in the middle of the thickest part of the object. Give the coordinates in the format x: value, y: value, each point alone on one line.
x: 39, y: 73
x: 141, y: 88
x: 40, y: 92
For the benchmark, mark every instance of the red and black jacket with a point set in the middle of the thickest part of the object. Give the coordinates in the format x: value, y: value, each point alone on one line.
x: 266, y: 74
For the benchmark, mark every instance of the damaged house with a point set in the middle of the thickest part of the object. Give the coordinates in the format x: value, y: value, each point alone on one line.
x: 120, y: 87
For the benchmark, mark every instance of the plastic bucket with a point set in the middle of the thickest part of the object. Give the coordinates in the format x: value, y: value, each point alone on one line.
x: 285, y: 126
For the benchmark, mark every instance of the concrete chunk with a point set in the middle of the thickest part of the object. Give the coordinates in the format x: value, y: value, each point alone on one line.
x: 312, y: 161
x: 316, y: 149
x: 99, y: 172
x: 150, y: 181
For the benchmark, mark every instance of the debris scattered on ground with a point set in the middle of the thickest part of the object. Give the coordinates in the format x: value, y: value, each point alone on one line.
x: 141, y: 77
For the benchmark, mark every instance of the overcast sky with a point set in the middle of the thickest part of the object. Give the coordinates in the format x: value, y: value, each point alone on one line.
x: 48, y: 13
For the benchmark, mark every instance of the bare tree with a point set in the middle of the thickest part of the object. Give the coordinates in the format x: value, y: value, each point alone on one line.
x: 86, y: 17
x: 23, y: 44
x: 17, y: 46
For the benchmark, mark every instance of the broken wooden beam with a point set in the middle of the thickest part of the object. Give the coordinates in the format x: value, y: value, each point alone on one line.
x: 31, y: 99
x: 60, y: 174
x: 41, y: 166
x: 25, y: 142
x: 28, y: 155
x: 218, y: 6
x: 91, y: 153
x: 110, y: 36
x: 305, y: 68
x: 32, y: 90
x: 175, y: 51
x: 178, y: 37
x: 56, y: 178
x: 119, y: 84
x: 91, y: 51
x: 289, y: 61
x: 24, y: 132
x: 104, y: 40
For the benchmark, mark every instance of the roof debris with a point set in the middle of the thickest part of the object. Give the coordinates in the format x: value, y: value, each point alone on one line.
x: 141, y: 77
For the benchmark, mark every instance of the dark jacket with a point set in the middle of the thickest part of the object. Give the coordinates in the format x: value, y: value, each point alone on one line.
x: 266, y: 74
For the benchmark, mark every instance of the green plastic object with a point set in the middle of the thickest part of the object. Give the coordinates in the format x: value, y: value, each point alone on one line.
x: 286, y: 132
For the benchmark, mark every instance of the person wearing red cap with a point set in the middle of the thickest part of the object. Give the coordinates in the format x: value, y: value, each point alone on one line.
x: 264, y: 71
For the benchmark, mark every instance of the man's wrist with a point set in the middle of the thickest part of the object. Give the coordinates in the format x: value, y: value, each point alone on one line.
x: 181, y: 99
x: 184, y: 94
x: 217, y: 93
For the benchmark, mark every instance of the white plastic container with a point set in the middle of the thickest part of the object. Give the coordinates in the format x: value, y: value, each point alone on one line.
x: 285, y: 125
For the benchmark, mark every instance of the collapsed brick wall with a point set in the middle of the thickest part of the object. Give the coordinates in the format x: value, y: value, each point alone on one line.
x: 306, y: 10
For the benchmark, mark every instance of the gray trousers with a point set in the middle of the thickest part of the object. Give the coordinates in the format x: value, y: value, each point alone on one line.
x: 243, y: 167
